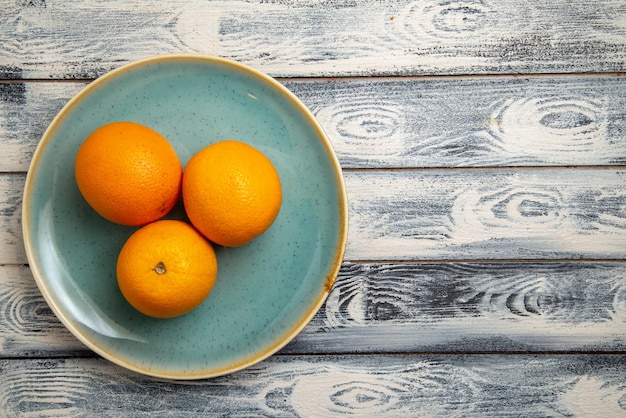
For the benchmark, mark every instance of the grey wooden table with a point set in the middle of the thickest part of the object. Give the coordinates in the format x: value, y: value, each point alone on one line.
x: 483, y: 145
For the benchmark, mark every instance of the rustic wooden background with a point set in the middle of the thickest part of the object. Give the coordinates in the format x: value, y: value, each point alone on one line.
x: 483, y: 144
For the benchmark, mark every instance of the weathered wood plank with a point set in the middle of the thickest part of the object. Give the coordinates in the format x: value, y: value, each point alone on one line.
x: 401, y: 385
x: 26, y: 109
x: 486, y: 214
x: 465, y: 307
x: 406, y: 307
x: 11, y: 238
x: 285, y: 38
x: 408, y: 122
x: 451, y: 214
x: 472, y: 122
x: 27, y: 325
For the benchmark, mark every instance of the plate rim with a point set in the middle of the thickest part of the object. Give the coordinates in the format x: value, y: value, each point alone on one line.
x: 331, y: 273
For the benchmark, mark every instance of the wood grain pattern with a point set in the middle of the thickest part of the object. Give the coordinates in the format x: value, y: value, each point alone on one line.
x: 26, y: 110
x: 27, y: 325
x: 11, y: 239
x: 484, y: 151
x: 405, y: 307
x: 463, y: 307
x: 486, y: 214
x: 54, y: 39
x: 473, y: 122
x: 457, y: 214
x: 409, y: 122
x: 285, y: 386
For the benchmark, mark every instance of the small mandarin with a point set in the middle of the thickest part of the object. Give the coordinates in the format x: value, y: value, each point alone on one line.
x: 128, y: 173
x: 166, y: 269
x: 231, y: 192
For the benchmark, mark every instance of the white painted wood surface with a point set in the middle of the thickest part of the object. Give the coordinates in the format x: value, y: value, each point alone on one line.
x: 68, y: 39
x: 409, y: 122
x: 405, y: 307
x: 484, y: 151
x: 373, y: 385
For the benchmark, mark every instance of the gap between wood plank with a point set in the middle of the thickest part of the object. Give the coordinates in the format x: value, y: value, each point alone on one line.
x: 461, y: 168
x: 372, y: 77
x: 453, y: 261
x: 615, y: 74
x: 88, y: 354
x: 488, y: 261
x: 488, y: 168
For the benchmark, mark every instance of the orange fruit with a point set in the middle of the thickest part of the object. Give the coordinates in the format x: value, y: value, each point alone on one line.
x: 166, y: 269
x: 231, y: 192
x: 128, y: 173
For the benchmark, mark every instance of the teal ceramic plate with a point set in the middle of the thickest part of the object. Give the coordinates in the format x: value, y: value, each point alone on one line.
x: 266, y: 291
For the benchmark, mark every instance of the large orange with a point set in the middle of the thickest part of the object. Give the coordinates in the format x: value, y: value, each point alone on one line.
x: 128, y: 173
x: 166, y: 269
x: 231, y: 192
